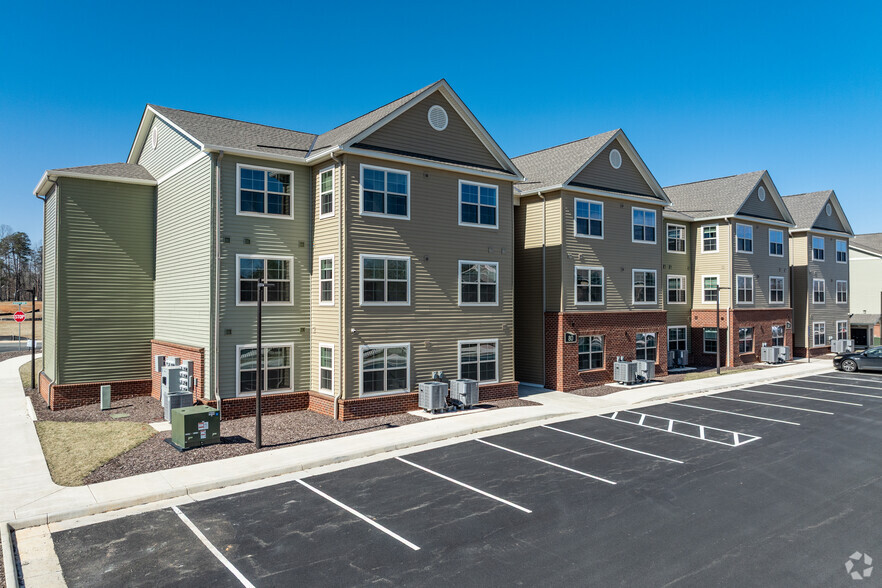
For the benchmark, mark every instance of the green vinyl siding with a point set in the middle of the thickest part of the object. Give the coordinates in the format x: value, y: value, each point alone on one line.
x: 172, y: 149
x: 50, y: 263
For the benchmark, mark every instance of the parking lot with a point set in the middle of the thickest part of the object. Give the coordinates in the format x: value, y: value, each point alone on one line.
x: 776, y: 484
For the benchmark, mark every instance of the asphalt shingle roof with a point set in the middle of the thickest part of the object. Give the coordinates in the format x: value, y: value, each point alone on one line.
x: 115, y: 170
x: 869, y: 241
x: 865, y: 319
x: 713, y: 198
x: 555, y: 165
x: 805, y: 208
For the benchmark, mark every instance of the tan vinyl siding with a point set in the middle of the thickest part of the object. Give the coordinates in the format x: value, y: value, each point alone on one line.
x: 829, y: 223
x: 799, y: 259
x: 753, y: 206
x: 50, y: 282
x: 712, y: 264
x: 601, y: 174
x: 530, y: 326
x: 762, y: 266
x: 678, y: 264
x: 172, y: 149
x: 105, y: 307
x: 554, y: 252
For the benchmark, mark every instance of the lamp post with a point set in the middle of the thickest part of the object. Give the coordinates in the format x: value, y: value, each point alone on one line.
x: 718, y: 288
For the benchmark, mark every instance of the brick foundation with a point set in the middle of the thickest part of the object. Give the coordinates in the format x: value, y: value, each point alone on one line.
x: 72, y: 395
x: 245, y: 406
x: 45, y: 386
x: 184, y: 353
x: 762, y: 321
x: 816, y: 351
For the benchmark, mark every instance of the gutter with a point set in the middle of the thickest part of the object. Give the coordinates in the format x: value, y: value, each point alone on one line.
x: 340, y: 279
x: 544, y: 302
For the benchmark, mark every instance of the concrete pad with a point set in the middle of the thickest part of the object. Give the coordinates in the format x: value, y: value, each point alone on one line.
x: 62, y: 500
x: 161, y: 426
x: 440, y: 415
x: 36, y: 551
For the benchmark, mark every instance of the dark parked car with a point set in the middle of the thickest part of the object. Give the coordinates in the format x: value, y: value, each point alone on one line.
x: 871, y: 359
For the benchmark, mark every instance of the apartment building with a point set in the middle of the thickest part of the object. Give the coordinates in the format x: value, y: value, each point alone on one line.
x: 588, y: 256
x: 727, y: 238
x: 820, y: 260
x: 387, y: 245
x: 865, y: 295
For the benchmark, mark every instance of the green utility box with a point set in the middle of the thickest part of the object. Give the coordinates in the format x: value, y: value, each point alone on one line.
x: 195, y: 426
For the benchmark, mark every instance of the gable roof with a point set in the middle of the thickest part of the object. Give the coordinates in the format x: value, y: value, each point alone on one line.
x: 869, y: 241
x: 127, y: 173
x: 721, y: 197
x: 807, y: 207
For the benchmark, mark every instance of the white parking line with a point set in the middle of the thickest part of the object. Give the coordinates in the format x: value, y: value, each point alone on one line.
x: 825, y: 390
x: 870, y: 377
x: 770, y: 404
x: 842, y: 384
x: 472, y: 488
x: 551, y: 463
x: 749, y: 416
x: 612, y: 444
x: 702, y: 429
x: 752, y: 391
x: 214, y: 551
x: 358, y: 514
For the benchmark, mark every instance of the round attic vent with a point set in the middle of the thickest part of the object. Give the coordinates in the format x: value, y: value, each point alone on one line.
x: 761, y: 194
x: 829, y: 209
x: 615, y: 158
x: 154, y: 138
x: 438, y: 118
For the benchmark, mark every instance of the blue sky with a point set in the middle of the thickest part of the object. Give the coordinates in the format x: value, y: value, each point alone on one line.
x: 702, y: 89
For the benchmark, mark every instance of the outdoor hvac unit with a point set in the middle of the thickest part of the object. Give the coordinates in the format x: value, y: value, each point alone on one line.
x: 677, y: 358
x: 179, y: 400
x: 785, y: 353
x: 770, y: 354
x: 645, y: 370
x: 433, y: 396
x: 625, y: 372
x: 842, y: 346
x: 195, y: 426
x: 465, y: 392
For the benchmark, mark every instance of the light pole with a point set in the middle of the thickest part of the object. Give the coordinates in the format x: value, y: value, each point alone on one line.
x: 718, y: 324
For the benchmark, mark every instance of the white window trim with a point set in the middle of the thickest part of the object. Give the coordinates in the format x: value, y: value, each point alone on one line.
x: 459, y: 200
x: 686, y: 329
x: 837, y: 291
x: 654, y: 225
x: 704, y: 340
x: 685, y: 238
x: 576, y: 219
x: 647, y: 303
x: 332, y: 280
x: 362, y: 211
x: 644, y: 333
x: 239, y: 212
x: 361, y: 300
x: 752, y: 340
x: 333, y: 170
x: 361, y: 349
x: 327, y: 391
x: 752, y: 289
x: 685, y: 289
x: 824, y: 329
x: 823, y: 290
x: 239, y: 348
x: 716, y: 238
x: 459, y: 283
x: 770, y: 242
x: 603, y: 353
x: 838, y: 241
x: 703, y: 289
x: 459, y: 345
x: 837, y: 330
x: 783, y: 289
x: 823, y: 248
x: 288, y: 258
x: 738, y: 249
x: 576, y: 285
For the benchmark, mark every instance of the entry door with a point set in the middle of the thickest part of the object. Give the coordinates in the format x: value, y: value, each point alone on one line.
x: 859, y: 334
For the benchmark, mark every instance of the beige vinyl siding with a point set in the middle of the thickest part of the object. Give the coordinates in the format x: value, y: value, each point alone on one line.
x: 411, y: 133
x: 600, y: 173
x: 678, y: 264
x: 50, y: 264
x: 761, y: 266
x: 866, y: 292
x: 105, y: 304
x: 712, y: 264
x: 829, y: 271
x: 767, y: 209
x: 554, y: 252
x: 172, y: 149
x: 284, y: 237
x: 799, y: 260
x: 829, y: 223
x: 530, y: 326
x: 433, y: 323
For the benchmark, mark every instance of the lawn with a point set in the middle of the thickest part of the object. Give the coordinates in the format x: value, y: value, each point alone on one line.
x: 25, y: 372
x: 11, y: 328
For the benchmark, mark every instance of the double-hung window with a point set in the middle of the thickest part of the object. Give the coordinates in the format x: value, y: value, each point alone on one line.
x: 841, y: 251
x: 744, y: 238
x: 264, y: 191
x: 589, y: 218
x: 644, y: 286
x: 676, y: 238
x: 818, y: 248
x: 647, y: 346
x: 745, y: 289
x: 274, y: 271
x: 709, y: 239
x: 841, y: 330
x: 745, y: 340
x: 478, y: 282
x: 385, y: 280
x: 643, y: 225
x: 385, y: 192
x: 326, y: 280
x: 677, y: 337
x: 478, y: 360
x: 326, y: 367
x: 276, y: 367
x: 590, y: 352
x: 777, y: 335
x: 385, y: 368
x: 776, y: 243
x: 676, y: 289
x: 776, y: 289
x: 710, y: 340
x: 589, y: 285
x: 819, y: 293
x: 819, y: 334
x: 326, y: 192
x: 477, y: 204
x: 841, y: 292
x: 709, y: 288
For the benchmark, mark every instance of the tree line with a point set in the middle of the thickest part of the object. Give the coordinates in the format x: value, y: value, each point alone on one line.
x: 21, y: 266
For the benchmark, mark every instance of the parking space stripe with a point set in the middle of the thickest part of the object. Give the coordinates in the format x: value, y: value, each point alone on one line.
x: 611, y: 444
x: 841, y: 377
x: 358, y: 514
x: 551, y: 463
x: 842, y: 384
x: 770, y: 404
x: 749, y: 416
x: 214, y: 551
x: 753, y: 391
x: 472, y: 488
x: 825, y: 390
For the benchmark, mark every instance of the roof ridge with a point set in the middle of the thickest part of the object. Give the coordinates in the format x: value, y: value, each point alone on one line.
x: 809, y: 193
x: 231, y: 119
x: 715, y: 179
x: 567, y: 143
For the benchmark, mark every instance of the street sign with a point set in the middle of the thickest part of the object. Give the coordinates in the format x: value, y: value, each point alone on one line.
x: 19, y: 316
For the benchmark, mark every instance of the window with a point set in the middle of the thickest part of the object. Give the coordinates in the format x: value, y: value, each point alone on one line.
x: 326, y: 280
x: 744, y: 238
x: 841, y: 251
x: 709, y: 239
x: 819, y: 334
x: 677, y: 338
x: 274, y: 271
x: 589, y: 285
x: 818, y: 248
x: 643, y: 223
x: 478, y: 282
x: 710, y: 340
x: 264, y: 191
x: 589, y: 218
x: 646, y: 346
x: 276, y: 366
x: 326, y: 192
x: 385, y: 368
x: 477, y: 204
x: 841, y: 292
x: 709, y: 288
x: 776, y: 243
x: 326, y: 367
x: 384, y: 192
x: 776, y: 289
x: 745, y: 340
x: 385, y: 280
x: 590, y: 352
x: 745, y: 289
x: 477, y: 360
x: 676, y: 239
x: 818, y: 292
x: 841, y: 330
x: 777, y: 335
x: 644, y: 286
x: 677, y: 289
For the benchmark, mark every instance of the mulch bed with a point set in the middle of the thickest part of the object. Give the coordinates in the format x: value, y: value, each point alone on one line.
x: 143, y: 409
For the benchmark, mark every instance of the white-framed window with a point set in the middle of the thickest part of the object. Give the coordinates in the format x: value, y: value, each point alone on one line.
x: 326, y: 192
x: 709, y: 243
x: 841, y: 251
x: 776, y: 290
x: 385, y: 192
x: 776, y: 242
x: 841, y: 292
x: 744, y: 238
x: 478, y: 283
x: 643, y: 290
x: 263, y: 191
x: 385, y: 369
x: 642, y: 225
x: 777, y: 335
x: 647, y: 346
x: 478, y: 204
x: 676, y: 238
x: 709, y: 336
x: 591, y: 352
x: 819, y: 293
x: 745, y: 340
x: 385, y: 280
x: 841, y: 330
x: 818, y: 248
x: 709, y: 292
x: 676, y: 289
x: 819, y: 334
x: 276, y: 363
x: 678, y: 338
x: 589, y: 285
x: 326, y: 367
x: 745, y: 289
x: 326, y: 280
x: 479, y: 360
x: 589, y: 218
x: 274, y: 271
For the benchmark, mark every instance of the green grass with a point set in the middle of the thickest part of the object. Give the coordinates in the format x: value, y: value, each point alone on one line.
x: 25, y: 372
x: 713, y: 374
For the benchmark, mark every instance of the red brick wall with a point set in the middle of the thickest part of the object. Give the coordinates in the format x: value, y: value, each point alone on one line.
x: 184, y: 353
x: 245, y: 406
x: 72, y: 395
x: 45, y: 384
x: 816, y: 351
x: 488, y: 392
x: 619, y: 330
x: 761, y: 320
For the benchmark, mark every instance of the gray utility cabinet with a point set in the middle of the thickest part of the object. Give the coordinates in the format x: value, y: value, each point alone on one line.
x: 433, y: 396
x: 465, y: 392
x: 175, y: 388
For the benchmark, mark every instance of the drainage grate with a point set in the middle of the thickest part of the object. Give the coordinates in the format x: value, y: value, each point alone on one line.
x: 683, y: 428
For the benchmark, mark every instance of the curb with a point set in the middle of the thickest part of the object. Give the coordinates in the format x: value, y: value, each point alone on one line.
x: 10, y: 567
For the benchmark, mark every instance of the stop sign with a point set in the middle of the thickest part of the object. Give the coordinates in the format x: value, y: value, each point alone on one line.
x: 19, y: 316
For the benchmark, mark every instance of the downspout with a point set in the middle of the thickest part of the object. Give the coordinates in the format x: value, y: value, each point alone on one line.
x: 217, y: 263
x: 45, y: 199
x: 544, y: 306
x: 338, y: 392
x: 730, y: 360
